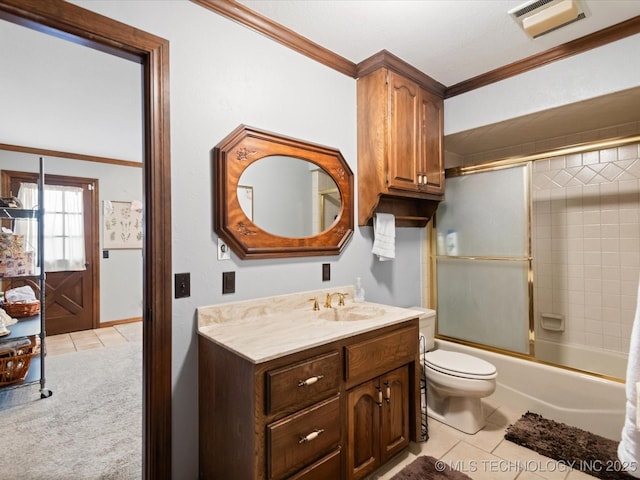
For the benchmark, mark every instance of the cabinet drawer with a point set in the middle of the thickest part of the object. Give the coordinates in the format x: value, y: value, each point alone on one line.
x: 329, y: 467
x: 287, y: 449
x: 302, y: 384
x: 368, y: 359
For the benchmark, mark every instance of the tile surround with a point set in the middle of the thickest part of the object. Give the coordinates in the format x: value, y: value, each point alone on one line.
x: 586, y: 245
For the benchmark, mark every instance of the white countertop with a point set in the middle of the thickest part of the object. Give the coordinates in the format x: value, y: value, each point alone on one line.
x: 266, y: 328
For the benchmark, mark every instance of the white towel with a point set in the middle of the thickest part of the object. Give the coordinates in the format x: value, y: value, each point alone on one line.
x: 24, y: 294
x: 384, y: 232
x: 629, y: 447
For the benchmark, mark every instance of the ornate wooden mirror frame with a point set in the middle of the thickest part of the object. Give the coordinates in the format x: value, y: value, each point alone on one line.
x: 246, y: 145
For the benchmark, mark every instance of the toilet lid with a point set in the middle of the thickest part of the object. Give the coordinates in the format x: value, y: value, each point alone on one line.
x: 459, y: 364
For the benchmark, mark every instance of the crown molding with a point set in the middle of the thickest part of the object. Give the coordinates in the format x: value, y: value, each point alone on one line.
x: 389, y: 60
x: 580, y: 45
x: 247, y: 17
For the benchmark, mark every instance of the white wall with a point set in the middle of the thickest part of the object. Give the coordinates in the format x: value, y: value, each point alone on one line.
x: 62, y: 96
x: 597, y: 72
x: 223, y: 74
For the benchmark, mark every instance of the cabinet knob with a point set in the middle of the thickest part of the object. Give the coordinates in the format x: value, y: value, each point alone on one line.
x: 310, y: 381
x: 315, y: 434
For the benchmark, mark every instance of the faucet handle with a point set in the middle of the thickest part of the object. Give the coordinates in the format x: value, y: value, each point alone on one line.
x: 315, y: 303
x: 327, y: 302
x: 341, y: 298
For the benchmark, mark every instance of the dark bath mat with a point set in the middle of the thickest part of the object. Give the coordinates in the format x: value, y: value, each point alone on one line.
x: 428, y: 468
x: 581, y: 450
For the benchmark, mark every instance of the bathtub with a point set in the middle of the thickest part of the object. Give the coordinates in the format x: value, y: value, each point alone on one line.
x: 612, y: 364
x: 585, y: 401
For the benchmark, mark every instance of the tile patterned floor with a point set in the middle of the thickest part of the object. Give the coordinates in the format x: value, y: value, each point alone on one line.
x: 91, y: 339
x: 485, y: 455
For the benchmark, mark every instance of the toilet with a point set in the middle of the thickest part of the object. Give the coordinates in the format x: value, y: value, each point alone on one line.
x: 456, y: 382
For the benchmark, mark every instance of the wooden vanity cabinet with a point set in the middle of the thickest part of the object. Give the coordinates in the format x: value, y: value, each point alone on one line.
x: 400, y: 151
x: 378, y: 422
x: 253, y: 417
x: 379, y: 409
x: 288, y: 417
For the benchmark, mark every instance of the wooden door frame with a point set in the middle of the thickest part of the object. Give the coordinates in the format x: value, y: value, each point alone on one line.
x: 88, y: 28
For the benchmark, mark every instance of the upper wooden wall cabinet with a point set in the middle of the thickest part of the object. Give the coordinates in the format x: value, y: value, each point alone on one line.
x: 400, y: 136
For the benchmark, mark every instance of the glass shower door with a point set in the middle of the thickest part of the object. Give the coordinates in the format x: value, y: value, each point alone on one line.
x: 483, y: 259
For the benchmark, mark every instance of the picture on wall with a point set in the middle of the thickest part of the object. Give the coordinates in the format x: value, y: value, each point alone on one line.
x: 122, y: 225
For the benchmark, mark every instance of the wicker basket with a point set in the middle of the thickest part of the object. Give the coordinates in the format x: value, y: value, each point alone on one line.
x: 23, y: 309
x: 14, y: 365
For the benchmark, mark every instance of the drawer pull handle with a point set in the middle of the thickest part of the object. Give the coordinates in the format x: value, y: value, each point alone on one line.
x: 388, y: 388
x: 379, y: 402
x: 315, y: 434
x: 310, y: 381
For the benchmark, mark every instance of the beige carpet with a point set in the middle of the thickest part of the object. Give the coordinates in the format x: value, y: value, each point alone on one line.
x: 90, y: 428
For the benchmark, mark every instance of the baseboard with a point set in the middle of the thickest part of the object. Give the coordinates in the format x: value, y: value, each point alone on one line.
x: 120, y: 322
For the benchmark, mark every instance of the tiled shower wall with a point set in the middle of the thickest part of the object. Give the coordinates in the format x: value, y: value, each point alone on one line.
x: 586, y: 245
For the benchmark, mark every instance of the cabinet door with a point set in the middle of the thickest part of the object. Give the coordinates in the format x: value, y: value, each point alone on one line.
x: 431, y: 166
x: 394, y: 420
x: 363, y: 430
x: 403, y: 145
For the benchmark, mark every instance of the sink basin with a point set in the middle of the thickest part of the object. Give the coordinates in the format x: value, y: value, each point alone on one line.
x: 351, y: 313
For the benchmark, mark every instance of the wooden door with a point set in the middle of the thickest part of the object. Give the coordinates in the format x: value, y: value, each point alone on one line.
x: 394, y: 418
x: 72, y: 298
x: 431, y: 148
x: 363, y: 430
x: 403, y: 145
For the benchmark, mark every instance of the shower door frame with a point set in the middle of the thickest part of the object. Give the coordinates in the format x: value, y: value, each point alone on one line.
x: 494, y: 165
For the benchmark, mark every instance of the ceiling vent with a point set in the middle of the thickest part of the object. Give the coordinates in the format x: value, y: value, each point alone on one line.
x: 539, y: 17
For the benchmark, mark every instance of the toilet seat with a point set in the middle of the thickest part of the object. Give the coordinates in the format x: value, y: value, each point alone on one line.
x: 460, y: 365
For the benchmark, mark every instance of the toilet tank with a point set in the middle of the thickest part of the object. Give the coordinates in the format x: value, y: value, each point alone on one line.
x: 427, y: 326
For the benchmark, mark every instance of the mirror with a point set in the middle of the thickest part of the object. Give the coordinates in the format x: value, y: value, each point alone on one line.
x: 278, y: 197
x: 288, y: 196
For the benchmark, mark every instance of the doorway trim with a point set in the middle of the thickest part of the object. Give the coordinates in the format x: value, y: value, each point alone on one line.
x: 88, y: 28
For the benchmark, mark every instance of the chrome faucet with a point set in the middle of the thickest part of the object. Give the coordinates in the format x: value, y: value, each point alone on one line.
x: 327, y: 302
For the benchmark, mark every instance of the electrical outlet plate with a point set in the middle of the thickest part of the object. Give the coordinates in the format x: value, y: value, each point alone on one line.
x: 326, y: 272
x: 228, y: 282
x: 223, y: 250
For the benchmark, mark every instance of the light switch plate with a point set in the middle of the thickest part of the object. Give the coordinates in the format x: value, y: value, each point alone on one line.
x: 223, y: 250
x: 182, y: 285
